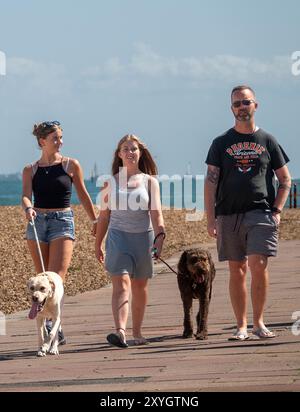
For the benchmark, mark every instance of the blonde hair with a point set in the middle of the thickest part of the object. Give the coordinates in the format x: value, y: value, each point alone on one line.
x: 146, y: 162
x: 43, y: 129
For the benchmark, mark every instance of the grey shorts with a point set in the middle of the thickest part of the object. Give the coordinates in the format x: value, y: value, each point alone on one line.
x: 244, y: 234
x: 52, y: 225
x: 129, y: 253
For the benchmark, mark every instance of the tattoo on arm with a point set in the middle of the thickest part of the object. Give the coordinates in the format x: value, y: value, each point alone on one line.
x: 213, y: 174
x: 285, y: 184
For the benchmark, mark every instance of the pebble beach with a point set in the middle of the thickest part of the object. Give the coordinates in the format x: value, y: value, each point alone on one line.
x: 85, y: 273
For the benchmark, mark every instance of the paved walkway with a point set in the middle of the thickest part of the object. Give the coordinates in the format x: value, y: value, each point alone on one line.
x: 168, y: 363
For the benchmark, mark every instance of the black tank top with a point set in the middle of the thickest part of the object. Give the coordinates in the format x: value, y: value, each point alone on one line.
x: 52, y: 187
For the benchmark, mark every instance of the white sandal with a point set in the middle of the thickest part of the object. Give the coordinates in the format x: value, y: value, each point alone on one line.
x: 239, y: 335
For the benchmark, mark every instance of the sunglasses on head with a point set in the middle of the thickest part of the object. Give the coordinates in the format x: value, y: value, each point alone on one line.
x: 49, y: 124
x: 245, y: 102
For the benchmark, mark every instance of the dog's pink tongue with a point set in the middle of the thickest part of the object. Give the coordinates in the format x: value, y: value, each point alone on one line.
x: 33, y: 311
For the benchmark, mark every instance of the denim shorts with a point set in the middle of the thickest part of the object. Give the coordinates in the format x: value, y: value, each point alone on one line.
x: 129, y: 253
x: 52, y: 225
x: 244, y: 234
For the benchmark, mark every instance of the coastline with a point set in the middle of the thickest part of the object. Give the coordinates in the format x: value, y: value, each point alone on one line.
x: 85, y: 273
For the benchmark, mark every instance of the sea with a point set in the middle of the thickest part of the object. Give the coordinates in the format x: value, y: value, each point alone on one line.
x: 185, y: 192
x: 179, y: 192
x: 11, y: 192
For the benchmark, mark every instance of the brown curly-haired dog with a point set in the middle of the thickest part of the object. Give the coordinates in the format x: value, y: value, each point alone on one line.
x: 196, y: 272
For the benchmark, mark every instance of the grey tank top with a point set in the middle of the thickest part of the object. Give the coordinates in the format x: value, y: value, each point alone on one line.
x: 130, y: 207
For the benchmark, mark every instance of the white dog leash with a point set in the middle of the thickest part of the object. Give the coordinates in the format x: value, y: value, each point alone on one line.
x: 38, y: 244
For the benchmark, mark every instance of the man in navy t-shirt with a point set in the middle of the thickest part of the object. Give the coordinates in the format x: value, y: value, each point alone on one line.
x: 243, y: 207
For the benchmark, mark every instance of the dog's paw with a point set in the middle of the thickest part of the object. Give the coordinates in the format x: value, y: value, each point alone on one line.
x: 45, y: 348
x: 41, y: 353
x: 201, y: 335
x: 187, y: 334
x: 54, y: 351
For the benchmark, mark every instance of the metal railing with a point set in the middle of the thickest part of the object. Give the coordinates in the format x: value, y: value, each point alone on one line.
x: 293, y: 196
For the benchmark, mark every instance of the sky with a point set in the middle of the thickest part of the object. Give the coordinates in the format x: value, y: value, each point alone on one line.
x: 161, y: 69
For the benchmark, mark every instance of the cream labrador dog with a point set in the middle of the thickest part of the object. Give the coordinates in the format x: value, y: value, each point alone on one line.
x: 47, y: 293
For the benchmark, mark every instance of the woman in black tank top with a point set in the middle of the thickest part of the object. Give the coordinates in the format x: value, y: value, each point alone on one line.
x: 49, y: 181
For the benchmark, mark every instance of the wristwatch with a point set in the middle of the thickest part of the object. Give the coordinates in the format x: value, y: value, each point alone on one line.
x: 275, y: 209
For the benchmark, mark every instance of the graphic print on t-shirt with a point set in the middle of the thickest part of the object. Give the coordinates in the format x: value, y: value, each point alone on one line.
x: 246, y: 155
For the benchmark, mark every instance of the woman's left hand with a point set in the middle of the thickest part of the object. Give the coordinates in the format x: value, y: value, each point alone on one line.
x: 158, y: 247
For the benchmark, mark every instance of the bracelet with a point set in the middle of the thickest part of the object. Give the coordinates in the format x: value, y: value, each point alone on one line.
x: 275, y: 209
x: 157, y: 236
x: 95, y: 221
x: 27, y: 208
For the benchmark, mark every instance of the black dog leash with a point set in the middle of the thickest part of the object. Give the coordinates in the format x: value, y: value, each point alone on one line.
x: 154, y: 251
x: 167, y: 265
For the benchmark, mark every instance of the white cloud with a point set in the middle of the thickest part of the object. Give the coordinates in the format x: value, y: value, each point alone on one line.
x: 113, y: 66
x: 110, y: 68
x: 18, y: 66
x: 35, y: 77
x: 147, y: 63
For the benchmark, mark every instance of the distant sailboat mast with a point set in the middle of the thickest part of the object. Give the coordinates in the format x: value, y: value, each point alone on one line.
x: 94, y: 173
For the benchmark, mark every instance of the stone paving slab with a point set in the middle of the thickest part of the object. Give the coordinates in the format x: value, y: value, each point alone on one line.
x: 169, y: 363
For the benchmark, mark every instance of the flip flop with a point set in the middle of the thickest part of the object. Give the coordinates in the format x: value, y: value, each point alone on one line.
x: 239, y: 335
x: 140, y: 341
x: 116, y: 339
x: 263, y: 333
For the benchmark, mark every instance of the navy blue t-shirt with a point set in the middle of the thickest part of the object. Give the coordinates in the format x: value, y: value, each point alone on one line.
x: 247, y: 163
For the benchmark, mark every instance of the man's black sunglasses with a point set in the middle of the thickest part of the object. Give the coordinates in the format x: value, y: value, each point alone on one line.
x: 49, y: 124
x: 245, y: 102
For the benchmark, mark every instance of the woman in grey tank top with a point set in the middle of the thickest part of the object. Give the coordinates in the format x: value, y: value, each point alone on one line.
x: 131, y: 215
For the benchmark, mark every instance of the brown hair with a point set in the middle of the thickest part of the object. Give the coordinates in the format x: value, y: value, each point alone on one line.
x: 42, y: 130
x: 146, y: 162
x: 242, y: 87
